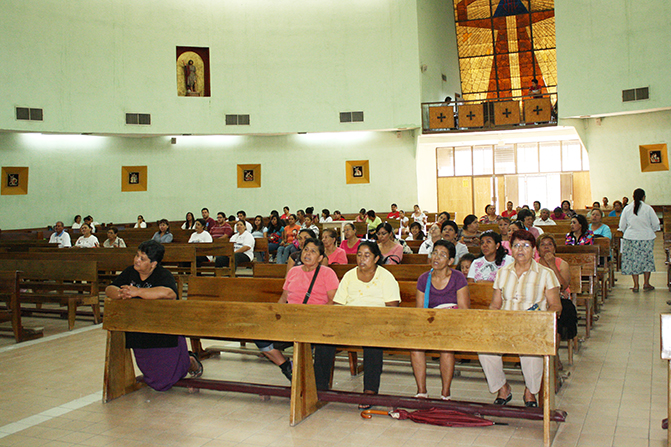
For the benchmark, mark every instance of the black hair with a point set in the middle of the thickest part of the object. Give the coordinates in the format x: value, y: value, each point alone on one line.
x: 465, y: 257
x: 299, y: 212
x: 273, y: 228
x: 450, y: 223
x: 351, y: 225
x: 584, y: 226
x: 524, y: 213
x: 418, y: 225
x: 294, y: 216
x: 275, y: 213
x: 259, y: 228
x: 469, y: 220
x: 204, y: 209
x: 319, y: 244
x: 310, y: 210
x: 500, y: 250
x: 115, y: 230
x: 519, y: 224
x: 78, y: 215
x: 222, y: 214
x: 371, y: 214
x: 331, y: 232
x: 373, y: 247
x: 202, y: 221
x: 446, y: 215
x: 309, y: 232
x: 386, y: 226
x: 639, y: 194
x: 362, y: 211
x: 449, y: 246
x: 167, y: 222
x: 326, y: 212
x: 241, y: 212
x: 557, y: 209
x: 153, y: 250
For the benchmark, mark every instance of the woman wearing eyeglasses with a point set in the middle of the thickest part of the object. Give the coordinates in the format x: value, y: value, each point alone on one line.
x: 440, y: 288
x: 392, y: 251
x: 523, y: 285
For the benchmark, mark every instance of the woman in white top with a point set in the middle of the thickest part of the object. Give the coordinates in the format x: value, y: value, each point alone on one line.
x: 243, y: 245
x: 419, y: 216
x: 639, y: 223
x: 77, y: 223
x: 493, y: 256
x: 190, y: 222
x: 87, y: 240
x: 326, y: 216
x: 427, y: 246
x: 200, y: 236
x: 140, y: 222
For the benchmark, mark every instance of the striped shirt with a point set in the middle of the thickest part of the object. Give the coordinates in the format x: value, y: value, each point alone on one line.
x: 526, y: 292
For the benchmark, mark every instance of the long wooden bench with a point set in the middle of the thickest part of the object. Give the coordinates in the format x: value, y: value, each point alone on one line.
x: 10, y: 292
x: 407, y: 259
x: 528, y: 333
x: 585, y: 294
x: 67, y: 283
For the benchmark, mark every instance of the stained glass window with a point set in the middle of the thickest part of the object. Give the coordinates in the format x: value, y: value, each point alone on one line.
x: 503, y: 45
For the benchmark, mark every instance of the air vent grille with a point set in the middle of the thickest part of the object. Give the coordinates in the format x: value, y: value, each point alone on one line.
x: 29, y: 114
x: 143, y: 119
x: 635, y: 94
x: 351, y: 117
x: 237, y: 120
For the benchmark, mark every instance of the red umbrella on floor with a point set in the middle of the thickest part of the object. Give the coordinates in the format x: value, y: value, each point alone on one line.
x: 435, y: 416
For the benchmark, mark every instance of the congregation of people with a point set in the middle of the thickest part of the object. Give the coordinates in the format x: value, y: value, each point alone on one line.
x: 519, y: 260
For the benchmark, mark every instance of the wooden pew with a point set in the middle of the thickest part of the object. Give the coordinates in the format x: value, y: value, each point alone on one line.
x: 414, y: 245
x: 407, y: 259
x: 67, y: 283
x: 402, y: 272
x: 10, y: 292
x: 528, y: 333
x: 587, y: 263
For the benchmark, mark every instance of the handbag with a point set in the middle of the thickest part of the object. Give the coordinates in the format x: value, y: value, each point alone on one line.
x: 312, y: 283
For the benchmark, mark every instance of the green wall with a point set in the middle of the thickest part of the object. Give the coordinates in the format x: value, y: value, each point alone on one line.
x: 292, y: 65
x: 438, y: 50
x: 606, y: 46
x: 613, y: 147
x: 76, y: 174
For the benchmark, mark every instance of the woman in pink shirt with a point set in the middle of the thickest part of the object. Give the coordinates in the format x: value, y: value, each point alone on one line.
x: 334, y: 254
x: 350, y: 242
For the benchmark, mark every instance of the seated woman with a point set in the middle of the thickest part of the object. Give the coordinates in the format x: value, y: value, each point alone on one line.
x: 514, y: 226
x: 361, y: 217
x: 326, y: 216
x: 416, y: 233
x: 490, y: 216
x: 597, y: 227
x: 617, y: 209
x: 492, y: 258
x: 337, y: 216
x: 190, y: 223
x: 140, y: 222
x: 547, y: 248
x: 87, y: 240
x: 243, y: 246
x: 504, y: 227
x: 200, y: 236
x: 566, y: 209
x: 580, y: 233
x: 287, y: 246
x: 434, y: 236
x: 77, y: 224
x: 450, y: 233
x: 163, y: 359
x: 274, y: 234
x: 372, y: 222
x: 365, y: 285
x: 309, y: 283
x: 350, y: 242
x: 334, y: 254
x: 558, y: 214
x: 295, y: 257
x: 440, y: 288
x: 286, y: 213
x: 470, y: 236
x: 527, y: 217
x: 259, y: 231
x: 523, y: 285
x: 113, y: 240
x: 163, y: 235
x: 392, y: 251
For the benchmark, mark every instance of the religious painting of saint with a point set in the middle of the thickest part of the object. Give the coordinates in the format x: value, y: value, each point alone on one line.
x: 357, y: 171
x: 655, y: 156
x: 248, y: 175
x: 134, y: 178
x: 193, y: 71
x: 13, y: 180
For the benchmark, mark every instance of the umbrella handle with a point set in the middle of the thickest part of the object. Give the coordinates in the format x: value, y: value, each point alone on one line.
x: 368, y: 414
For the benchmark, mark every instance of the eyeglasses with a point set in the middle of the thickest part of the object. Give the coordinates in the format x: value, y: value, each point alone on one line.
x: 521, y: 246
x: 440, y: 254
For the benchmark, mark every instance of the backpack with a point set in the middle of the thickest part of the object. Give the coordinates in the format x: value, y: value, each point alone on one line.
x: 567, y: 325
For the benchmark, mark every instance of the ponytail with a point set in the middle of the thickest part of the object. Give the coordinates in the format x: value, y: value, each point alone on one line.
x: 639, y: 194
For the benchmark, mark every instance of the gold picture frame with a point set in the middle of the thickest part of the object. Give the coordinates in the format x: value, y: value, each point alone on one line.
x: 654, y: 157
x: 133, y: 178
x: 14, y: 180
x: 358, y: 171
x: 249, y: 176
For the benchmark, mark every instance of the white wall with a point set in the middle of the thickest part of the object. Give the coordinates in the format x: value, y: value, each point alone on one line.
x: 292, y: 65
x: 75, y: 174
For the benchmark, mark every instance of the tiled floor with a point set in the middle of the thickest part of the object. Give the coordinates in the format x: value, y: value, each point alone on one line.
x: 50, y: 396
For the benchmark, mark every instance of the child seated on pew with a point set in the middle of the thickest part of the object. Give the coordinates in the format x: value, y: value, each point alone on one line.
x: 465, y: 263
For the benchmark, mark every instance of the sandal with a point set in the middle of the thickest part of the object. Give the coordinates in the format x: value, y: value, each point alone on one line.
x: 199, y: 372
x: 634, y: 289
x: 364, y: 406
x: 648, y: 288
x: 502, y: 401
x: 422, y: 396
x: 445, y: 397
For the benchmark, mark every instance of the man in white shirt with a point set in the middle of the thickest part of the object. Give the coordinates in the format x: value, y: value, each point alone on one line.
x: 242, y: 216
x: 60, y: 236
x: 544, y: 218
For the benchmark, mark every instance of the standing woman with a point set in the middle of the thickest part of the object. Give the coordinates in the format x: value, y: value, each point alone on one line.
x: 639, y: 223
x: 366, y: 285
x: 334, y: 254
x: 392, y: 251
x: 190, y: 222
x: 87, y: 240
x: 580, y: 233
x: 350, y: 242
x: 440, y: 288
x: 163, y: 235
